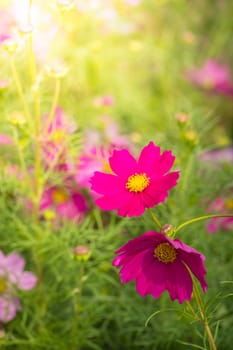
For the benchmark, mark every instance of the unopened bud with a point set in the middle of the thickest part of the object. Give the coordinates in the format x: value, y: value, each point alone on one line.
x: 167, y: 230
x: 10, y: 45
x: 4, y: 84
x: 82, y: 252
x: 17, y: 118
x: 65, y: 5
x: 182, y: 118
x: 56, y: 70
x: 192, y: 137
x: 26, y: 30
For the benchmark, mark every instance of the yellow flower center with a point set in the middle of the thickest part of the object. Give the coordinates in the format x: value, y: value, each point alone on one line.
x: 59, y: 196
x: 3, y: 285
x: 137, y: 183
x: 165, y: 253
x: 229, y: 204
x: 107, y: 167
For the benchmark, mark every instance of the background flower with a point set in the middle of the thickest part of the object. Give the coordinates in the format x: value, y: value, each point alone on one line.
x: 13, y: 277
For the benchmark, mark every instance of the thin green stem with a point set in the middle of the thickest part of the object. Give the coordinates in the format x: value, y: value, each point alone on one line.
x: 54, y: 104
x: 154, y: 217
x: 205, y: 217
x: 20, y: 90
x: 201, y: 309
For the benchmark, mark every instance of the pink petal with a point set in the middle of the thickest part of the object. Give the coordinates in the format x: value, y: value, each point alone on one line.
x: 133, y: 267
x: 27, y: 281
x: 132, y: 206
x: 15, y: 263
x: 149, y: 159
x: 195, y: 261
x: 7, y: 308
x: 123, y: 163
x: 106, y: 183
x: 111, y: 202
x: 166, y: 182
x: 179, y: 282
x: 166, y: 162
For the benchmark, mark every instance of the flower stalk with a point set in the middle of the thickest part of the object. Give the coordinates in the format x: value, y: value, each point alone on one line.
x: 201, y: 218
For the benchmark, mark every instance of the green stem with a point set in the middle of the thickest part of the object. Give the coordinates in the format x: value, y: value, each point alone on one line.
x: 204, y: 321
x: 154, y: 217
x: 20, y: 89
x: 205, y: 217
x: 54, y: 104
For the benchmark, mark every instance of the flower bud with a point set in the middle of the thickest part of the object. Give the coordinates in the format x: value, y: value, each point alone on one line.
x: 56, y: 70
x: 182, y: 118
x: 26, y: 30
x: 82, y: 252
x: 10, y: 45
x: 65, y: 5
x: 3, y: 84
x: 167, y: 230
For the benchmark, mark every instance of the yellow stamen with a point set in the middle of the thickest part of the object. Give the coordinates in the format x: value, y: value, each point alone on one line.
x: 59, y: 196
x: 137, y: 182
x: 165, y: 253
x: 3, y: 285
x: 229, y: 204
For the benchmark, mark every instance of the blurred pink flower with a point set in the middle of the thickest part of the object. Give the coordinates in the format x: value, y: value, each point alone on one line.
x: 135, y: 185
x: 5, y: 140
x: 213, y: 77
x: 65, y: 201
x: 104, y: 101
x: 13, y: 277
x: 132, y: 2
x: 90, y: 160
x: 220, y: 206
x: 54, y: 139
x: 218, y: 156
x: 158, y: 263
x: 6, y: 24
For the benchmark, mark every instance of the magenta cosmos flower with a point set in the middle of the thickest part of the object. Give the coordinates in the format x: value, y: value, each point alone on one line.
x: 135, y: 185
x: 12, y: 278
x: 158, y: 263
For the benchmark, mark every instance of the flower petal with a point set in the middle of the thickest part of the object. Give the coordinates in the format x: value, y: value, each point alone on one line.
x: 149, y: 159
x: 7, y: 308
x: 15, y: 263
x: 106, y: 183
x: 27, y: 281
x: 123, y: 163
x: 166, y: 162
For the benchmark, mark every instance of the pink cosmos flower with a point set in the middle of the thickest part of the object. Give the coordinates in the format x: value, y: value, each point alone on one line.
x: 91, y: 159
x: 104, y: 101
x: 158, y: 263
x: 213, y: 77
x: 65, y: 201
x: 5, y: 140
x: 54, y: 138
x: 135, y: 185
x: 220, y: 206
x: 218, y: 156
x: 13, y: 277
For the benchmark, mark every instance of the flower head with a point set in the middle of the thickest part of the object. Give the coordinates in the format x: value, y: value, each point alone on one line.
x: 213, y: 77
x: 65, y: 201
x: 12, y: 277
x: 220, y: 206
x: 135, y: 185
x: 158, y: 263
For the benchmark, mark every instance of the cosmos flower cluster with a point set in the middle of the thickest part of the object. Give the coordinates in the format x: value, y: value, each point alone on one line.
x: 154, y: 260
